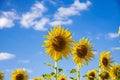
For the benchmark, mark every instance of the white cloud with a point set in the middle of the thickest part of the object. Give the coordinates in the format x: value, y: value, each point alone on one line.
x: 58, y: 22
x: 8, y: 70
x: 6, y: 56
x: 23, y: 61
x: 99, y: 36
x: 115, y: 48
x: 7, y: 19
x: 94, y: 52
x: 27, y: 70
x: 113, y: 35
x: 63, y: 13
x: 40, y: 24
x: 35, y: 18
x: 52, y: 2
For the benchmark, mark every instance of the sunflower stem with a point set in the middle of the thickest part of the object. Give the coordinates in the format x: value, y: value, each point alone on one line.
x: 78, y: 73
x: 56, y: 70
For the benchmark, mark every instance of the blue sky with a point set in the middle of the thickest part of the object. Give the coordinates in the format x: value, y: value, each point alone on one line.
x: 23, y: 24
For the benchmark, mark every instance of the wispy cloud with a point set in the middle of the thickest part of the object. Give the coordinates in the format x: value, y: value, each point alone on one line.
x: 8, y: 70
x: 99, y: 36
x: 115, y: 48
x: 7, y: 19
x: 34, y: 18
x: 27, y: 70
x: 6, y: 56
x: 23, y: 61
x: 94, y: 52
x: 113, y: 35
x: 59, y: 22
x: 63, y: 13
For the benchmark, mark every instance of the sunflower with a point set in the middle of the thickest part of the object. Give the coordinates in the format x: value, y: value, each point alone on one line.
x: 105, y: 60
x: 115, y: 71
x: 119, y: 31
x: 40, y: 78
x: 19, y: 74
x: 91, y: 75
x: 1, y: 75
x: 62, y: 77
x: 82, y: 51
x: 58, y: 43
x: 104, y: 75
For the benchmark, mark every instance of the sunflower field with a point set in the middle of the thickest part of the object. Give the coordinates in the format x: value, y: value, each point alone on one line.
x: 58, y: 45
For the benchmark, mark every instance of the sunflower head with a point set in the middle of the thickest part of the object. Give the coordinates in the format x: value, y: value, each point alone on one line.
x: 115, y: 71
x: 82, y: 51
x: 104, y: 75
x: 58, y: 43
x: 1, y: 75
x: 19, y: 74
x: 91, y: 75
x: 40, y: 78
x: 62, y: 77
x: 105, y: 60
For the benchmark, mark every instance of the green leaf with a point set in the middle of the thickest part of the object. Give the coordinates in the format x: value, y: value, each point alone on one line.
x: 52, y: 73
x: 73, y: 78
x: 60, y: 69
x: 73, y: 71
x: 84, y: 75
x: 49, y: 64
x: 47, y: 76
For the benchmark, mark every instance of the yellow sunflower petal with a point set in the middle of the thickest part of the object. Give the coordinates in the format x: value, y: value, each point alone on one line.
x: 62, y: 77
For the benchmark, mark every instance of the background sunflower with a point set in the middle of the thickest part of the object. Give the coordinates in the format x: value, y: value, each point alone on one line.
x: 104, y: 75
x: 91, y: 75
x: 119, y: 31
x: 105, y: 60
x: 19, y: 74
x: 82, y: 51
x: 115, y: 72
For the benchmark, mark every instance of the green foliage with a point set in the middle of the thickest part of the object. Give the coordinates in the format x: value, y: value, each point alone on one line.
x: 72, y: 78
x: 73, y: 71
x: 47, y: 76
x: 49, y: 64
x: 60, y: 70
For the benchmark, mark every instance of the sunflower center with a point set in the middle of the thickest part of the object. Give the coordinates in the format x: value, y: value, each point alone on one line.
x: 105, y: 61
x: 105, y: 75
x: 1, y: 77
x: 19, y: 77
x: 58, y: 43
x: 82, y: 51
x: 116, y: 71
x: 91, y: 76
x: 62, y: 79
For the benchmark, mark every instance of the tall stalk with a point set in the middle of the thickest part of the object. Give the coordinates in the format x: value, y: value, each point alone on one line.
x: 56, y: 70
x: 78, y: 73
